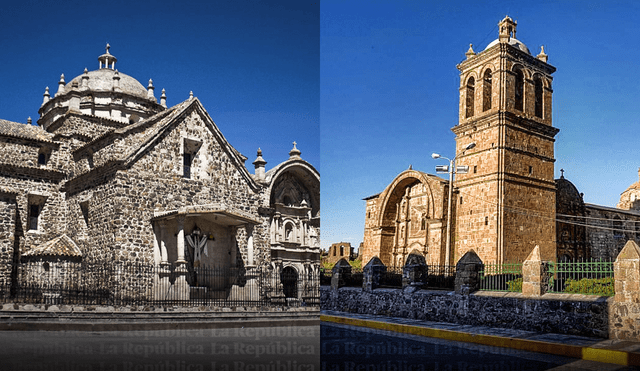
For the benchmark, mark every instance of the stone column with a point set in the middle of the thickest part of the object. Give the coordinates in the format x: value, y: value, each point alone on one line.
x: 180, y: 289
x: 163, y: 270
x: 468, y: 273
x: 534, y: 275
x: 371, y: 274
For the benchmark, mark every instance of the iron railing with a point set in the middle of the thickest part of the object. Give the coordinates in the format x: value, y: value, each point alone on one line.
x: 140, y: 284
x: 501, y: 277
x: 441, y: 277
x: 581, y: 277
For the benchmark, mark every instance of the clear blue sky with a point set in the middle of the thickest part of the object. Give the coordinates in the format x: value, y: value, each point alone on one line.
x: 389, y: 92
x: 254, y: 65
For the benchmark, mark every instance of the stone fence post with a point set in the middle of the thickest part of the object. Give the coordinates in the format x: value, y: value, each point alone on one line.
x: 626, y: 270
x: 534, y: 275
x: 415, y: 271
x: 468, y: 273
x: 371, y: 274
x: 341, y: 272
x: 624, y: 311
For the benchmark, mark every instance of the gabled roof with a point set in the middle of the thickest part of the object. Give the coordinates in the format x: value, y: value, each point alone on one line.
x: 59, y: 246
x: 146, y: 133
x: 24, y: 131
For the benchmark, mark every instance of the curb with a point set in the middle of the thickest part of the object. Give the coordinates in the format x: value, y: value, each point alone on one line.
x: 586, y: 353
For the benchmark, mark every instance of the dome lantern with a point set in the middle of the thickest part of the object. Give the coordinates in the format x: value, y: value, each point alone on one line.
x: 106, y: 59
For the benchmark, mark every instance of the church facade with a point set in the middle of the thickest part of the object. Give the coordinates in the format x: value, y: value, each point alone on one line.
x: 506, y: 203
x: 110, y: 176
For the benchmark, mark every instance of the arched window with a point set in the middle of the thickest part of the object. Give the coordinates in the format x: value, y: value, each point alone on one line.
x: 471, y: 89
x: 537, y: 82
x: 423, y: 225
x: 486, y: 91
x: 519, y: 90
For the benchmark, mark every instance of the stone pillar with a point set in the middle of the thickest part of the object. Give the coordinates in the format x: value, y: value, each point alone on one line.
x: 341, y: 272
x: 414, y: 272
x: 249, y: 229
x: 372, y: 273
x: 468, y: 273
x: 534, y: 275
x: 626, y: 270
x: 180, y: 288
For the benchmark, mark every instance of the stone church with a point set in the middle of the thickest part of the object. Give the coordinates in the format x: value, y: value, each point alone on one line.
x: 508, y: 202
x: 111, y: 176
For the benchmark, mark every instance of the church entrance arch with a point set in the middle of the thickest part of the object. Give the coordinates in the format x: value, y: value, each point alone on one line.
x: 406, y: 203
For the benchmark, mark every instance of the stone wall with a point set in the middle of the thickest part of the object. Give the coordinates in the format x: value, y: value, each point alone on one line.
x: 585, y: 317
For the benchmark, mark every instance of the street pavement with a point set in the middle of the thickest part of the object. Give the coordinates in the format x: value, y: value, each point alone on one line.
x: 575, y: 352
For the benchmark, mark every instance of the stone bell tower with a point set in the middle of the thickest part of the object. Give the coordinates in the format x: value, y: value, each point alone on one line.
x: 506, y: 202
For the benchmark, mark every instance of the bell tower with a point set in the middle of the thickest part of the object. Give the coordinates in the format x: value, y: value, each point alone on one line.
x: 506, y: 202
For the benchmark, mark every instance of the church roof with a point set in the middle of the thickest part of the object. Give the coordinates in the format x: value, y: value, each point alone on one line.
x: 24, y: 131
x: 59, y: 246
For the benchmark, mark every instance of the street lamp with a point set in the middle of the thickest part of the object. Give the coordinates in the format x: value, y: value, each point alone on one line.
x: 451, y: 169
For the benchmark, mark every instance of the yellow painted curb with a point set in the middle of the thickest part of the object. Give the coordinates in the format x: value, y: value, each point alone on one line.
x: 574, y: 351
x: 606, y: 355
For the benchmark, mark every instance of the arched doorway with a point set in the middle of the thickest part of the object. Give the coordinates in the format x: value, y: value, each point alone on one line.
x: 289, y: 279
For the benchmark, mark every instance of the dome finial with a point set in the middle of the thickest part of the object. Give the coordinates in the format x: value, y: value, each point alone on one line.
x: 150, y: 90
x: 163, y: 99
x: 295, y: 152
x: 259, y: 166
x: 46, y: 95
x: 470, y: 53
x: 542, y: 56
x: 107, y: 60
x: 191, y: 95
x: 61, y: 85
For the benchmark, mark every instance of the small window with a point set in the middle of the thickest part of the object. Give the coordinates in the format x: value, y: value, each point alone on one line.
x: 475, y: 169
x: 530, y: 170
x: 423, y: 225
x: 341, y: 250
x: 460, y: 200
x: 84, y: 207
x: 486, y: 220
x: 186, y: 168
x: 34, y: 215
x: 43, y: 156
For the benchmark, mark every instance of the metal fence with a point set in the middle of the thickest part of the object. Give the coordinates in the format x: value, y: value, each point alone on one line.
x: 441, y: 277
x: 139, y: 284
x: 501, y: 277
x: 581, y: 277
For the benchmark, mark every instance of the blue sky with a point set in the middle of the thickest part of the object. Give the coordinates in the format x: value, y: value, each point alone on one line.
x: 389, y: 92
x: 254, y: 65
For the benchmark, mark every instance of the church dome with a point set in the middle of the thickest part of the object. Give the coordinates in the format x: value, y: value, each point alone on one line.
x: 513, y: 42
x: 103, y: 80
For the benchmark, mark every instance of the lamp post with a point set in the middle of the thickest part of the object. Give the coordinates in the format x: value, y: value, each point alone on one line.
x: 451, y: 169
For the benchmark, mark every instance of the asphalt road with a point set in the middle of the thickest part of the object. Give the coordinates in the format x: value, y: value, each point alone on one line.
x: 357, y: 349
x: 292, y: 348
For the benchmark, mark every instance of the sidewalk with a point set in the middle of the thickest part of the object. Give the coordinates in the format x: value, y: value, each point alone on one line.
x: 625, y: 353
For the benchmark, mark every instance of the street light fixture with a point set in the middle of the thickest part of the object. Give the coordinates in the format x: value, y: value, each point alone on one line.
x: 451, y: 169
